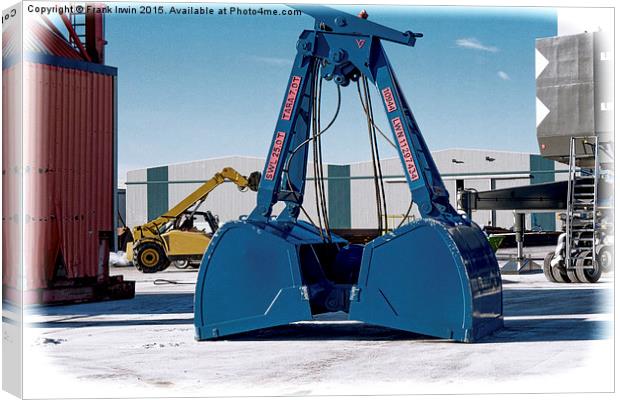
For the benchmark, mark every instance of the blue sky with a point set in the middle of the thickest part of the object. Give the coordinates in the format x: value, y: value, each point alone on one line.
x: 195, y: 87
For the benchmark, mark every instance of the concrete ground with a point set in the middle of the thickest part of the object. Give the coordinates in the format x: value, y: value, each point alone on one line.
x: 557, y: 338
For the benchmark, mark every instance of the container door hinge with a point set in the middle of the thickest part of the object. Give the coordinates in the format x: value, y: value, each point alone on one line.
x: 355, y: 294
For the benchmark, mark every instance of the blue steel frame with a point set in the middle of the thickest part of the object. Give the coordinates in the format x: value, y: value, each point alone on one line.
x: 436, y: 276
x: 339, y: 44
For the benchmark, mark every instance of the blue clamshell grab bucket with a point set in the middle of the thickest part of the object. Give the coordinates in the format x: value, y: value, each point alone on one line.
x: 435, y: 276
x: 424, y: 278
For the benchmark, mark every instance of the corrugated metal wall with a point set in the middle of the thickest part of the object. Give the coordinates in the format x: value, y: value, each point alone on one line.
x: 64, y: 171
x: 121, y: 196
x: 136, y: 198
x: 357, y: 208
x: 469, y: 165
x: 339, y: 202
x: 11, y: 176
x: 363, y: 203
x: 157, y: 191
x: 68, y: 171
x: 227, y: 202
x: 538, y: 163
x: 479, y: 162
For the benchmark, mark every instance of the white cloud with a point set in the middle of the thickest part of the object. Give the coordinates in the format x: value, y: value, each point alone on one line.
x: 272, y: 60
x: 503, y: 76
x: 473, y: 43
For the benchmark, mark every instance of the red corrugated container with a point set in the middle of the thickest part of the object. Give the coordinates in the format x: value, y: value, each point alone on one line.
x: 68, y: 158
x: 68, y: 174
x: 11, y: 176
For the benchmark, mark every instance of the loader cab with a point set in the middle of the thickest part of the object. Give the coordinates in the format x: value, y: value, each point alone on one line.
x: 197, y: 221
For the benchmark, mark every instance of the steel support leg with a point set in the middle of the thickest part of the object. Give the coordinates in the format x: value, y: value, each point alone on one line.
x: 521, y: 264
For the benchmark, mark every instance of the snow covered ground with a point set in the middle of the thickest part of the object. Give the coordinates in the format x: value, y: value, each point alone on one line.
x: 558, y: 338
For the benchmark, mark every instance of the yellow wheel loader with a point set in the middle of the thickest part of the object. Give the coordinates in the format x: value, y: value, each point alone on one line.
x: 175, y: 235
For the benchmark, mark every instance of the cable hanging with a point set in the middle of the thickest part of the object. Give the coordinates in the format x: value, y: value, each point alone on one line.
x: 382, y: 215
x: 315, y: 138
x: 319, y: 162
x: 369, y: 114
x: 386, y: 137
x: 322, y: 223
x: 406, y: 215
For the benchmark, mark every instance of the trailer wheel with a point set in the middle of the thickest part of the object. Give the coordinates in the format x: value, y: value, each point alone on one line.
x: 572, y: 276
x: 547, y: 267
x: 181, y: 264
x: 151, y: 258
x: 560, y: 274
x: 605, y: 259
x: 590, y: 275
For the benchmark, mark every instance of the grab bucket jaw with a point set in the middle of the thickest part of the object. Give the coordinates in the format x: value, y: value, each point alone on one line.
x: 425, y: 277
x: 432, y: 279
x: 250, y: 278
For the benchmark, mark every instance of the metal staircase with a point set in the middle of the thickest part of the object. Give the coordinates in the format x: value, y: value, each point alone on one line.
x: 581, y: 213
x: 78, y: 21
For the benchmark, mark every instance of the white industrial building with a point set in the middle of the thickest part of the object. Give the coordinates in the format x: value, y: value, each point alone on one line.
x: 152, y: 191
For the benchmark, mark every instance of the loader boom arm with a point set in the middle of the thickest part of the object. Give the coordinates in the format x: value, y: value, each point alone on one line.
x: 152, y: 227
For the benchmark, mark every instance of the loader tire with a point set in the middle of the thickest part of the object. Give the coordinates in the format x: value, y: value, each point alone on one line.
x: 151, y: 257
x: 547, y: 267
x: 588, y: 275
